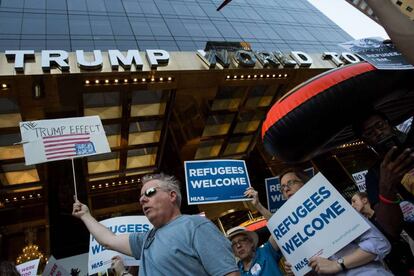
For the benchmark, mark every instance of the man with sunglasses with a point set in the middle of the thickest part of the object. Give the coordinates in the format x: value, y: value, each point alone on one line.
x: 177, y: 245
x: 384, y: 179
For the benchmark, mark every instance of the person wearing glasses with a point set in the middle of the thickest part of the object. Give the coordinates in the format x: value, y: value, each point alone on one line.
x: 255, y: 260
x: 363, y: 256
x: 388, y: 181
x: 177, y: 245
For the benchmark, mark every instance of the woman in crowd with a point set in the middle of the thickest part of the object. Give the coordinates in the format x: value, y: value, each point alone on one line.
x: 362, y: 256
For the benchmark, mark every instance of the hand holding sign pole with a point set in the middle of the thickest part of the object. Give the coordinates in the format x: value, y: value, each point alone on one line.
x: 60, y: 139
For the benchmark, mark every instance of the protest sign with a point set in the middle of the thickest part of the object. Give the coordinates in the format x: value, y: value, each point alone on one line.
x: 359, y: 179
x: 28, y: 268
x: 274, y: 196
x: 53, y: 268
x: 315, y: 221
x: 51, y: 140
x: 99, y: 257
x: 212, y: 181
x: 381, y: 55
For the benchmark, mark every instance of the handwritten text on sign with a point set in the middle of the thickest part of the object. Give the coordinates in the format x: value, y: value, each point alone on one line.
x: 51, y: 140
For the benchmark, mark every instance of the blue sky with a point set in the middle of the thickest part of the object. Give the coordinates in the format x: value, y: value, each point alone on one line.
x: 357, y: 24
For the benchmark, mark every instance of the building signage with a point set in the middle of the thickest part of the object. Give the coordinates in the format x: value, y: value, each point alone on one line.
x: 213, y: 181
x: 133, y: 60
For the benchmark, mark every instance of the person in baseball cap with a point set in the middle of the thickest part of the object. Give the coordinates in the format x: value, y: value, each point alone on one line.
x: 253, y: 260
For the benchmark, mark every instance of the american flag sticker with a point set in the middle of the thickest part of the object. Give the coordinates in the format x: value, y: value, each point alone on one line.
x: 67, y: 146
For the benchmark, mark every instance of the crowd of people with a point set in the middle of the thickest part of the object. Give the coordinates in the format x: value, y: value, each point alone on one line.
x: 192, y: 245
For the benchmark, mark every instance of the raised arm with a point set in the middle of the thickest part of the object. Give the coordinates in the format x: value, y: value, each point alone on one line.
x: 397, y: 25
x: 388, y: 211
x: 102, y: 234
x: 252, y: 193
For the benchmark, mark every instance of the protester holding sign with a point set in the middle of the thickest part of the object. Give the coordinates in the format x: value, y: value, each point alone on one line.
x: 253, y: 260
x: 362, y: 256
x: 177, y: 245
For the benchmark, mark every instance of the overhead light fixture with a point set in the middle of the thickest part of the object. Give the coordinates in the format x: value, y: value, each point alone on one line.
x: 4, y: 86
x: 38, y: 90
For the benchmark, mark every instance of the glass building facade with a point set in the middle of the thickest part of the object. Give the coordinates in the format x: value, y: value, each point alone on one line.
x: 173, y: 25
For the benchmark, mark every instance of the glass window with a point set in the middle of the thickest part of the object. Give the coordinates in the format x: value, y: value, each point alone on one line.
x: 181, y: 9
x: 12, y: 3
x: 168, y: 45
x: 159, y: 28
x: 193, y: 28
x: 100, y: 25
x: 124, y: 45
x: 114, y: 6
x: 9, y: 44
x: 242, y: 29
x: 208, y: 28
x: 211, y: 11
x: 147, y: 44
x: 37, y: 5
x: 96, y: 5
x: 140, y: 26
x: 79, y: 25
x: 57, y: 24
x: 226, y: 29
x: 131, y: 6
x: 56, y: 4
x: 33, y: 44
x: 165, y: 8
x: 82, y: 44
x: 105, y: 44
x: 120, y: 25
x: 34, y: 23
x: 148, y: 7
x: 77, y: 5
x: 61, y: 44
x: 176, y: 27
x: 10, y: 23
x: 252, y: 13
x: 196, y: 10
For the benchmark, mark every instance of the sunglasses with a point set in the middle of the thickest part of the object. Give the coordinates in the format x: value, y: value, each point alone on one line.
x: 150, y: 192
